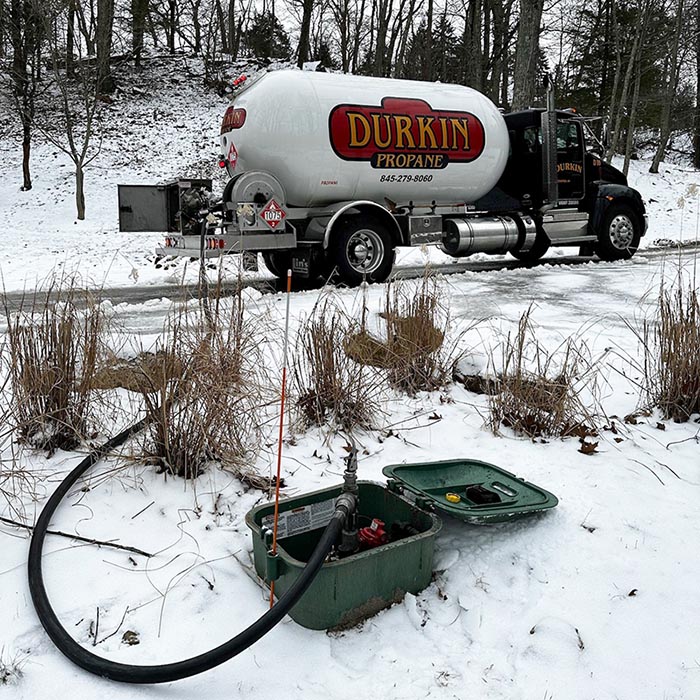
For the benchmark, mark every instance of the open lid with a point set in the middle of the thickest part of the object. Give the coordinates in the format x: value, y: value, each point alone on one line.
x: 473, y: 491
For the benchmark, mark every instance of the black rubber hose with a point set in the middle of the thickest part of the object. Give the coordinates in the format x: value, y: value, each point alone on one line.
x: 162, y: 673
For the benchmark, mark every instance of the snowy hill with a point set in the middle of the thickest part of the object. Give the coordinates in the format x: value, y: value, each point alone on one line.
x: 597, y: 599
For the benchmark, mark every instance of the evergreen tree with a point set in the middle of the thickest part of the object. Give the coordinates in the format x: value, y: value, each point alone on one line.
x: 267, y: 38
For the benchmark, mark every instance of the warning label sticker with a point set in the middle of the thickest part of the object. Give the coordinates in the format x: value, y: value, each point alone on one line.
x: 232, y: 156
x: 273, y: 214
x: 302, y: 519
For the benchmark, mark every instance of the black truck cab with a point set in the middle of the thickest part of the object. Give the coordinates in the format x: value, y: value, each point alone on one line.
x: 575, y: 197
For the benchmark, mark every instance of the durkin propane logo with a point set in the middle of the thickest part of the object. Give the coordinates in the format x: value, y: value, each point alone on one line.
x: 405, y: 133
x: 233, y: 119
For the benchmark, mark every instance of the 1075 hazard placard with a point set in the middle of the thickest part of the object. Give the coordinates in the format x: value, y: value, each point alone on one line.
x: 273, y: 214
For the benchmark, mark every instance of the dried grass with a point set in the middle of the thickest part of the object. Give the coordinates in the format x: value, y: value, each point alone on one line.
x: 537, y: 393
x: 54, y: 343
x: 413, y: 351
x: 329, y: 386
x: 671, y: 344
x: 12, y: 666
x: 203, y: 392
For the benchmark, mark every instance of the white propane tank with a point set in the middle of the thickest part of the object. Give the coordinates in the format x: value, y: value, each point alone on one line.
x: 330, y: 138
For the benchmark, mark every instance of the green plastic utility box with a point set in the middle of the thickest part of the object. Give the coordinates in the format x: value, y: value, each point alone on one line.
x: 349, y: 590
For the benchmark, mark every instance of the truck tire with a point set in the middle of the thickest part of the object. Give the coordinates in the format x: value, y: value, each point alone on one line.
x: 277, y: 262
x: 619, y: 235
x: 362, y: 249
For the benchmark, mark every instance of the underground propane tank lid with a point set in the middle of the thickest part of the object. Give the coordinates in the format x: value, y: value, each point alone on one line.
x: 469, y: 490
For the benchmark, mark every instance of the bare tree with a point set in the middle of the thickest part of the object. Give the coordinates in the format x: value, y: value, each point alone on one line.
x: 348, y: 18
x: 105, y: 22
x: 473, y: 57
x: 70, y: 113
x: 428, y: 63
x: 305, y: 31
x: 25, y: 38
x: 526, y: 53
x: 632, y: 119
x: 631, y: 62
x: 696, y: 134
x: 166, y: 14
x: 139, y: 12
x: 673, y: 72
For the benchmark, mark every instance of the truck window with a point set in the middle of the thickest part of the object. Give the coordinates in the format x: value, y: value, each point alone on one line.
x: 532, y: 139
x: 568, y: 138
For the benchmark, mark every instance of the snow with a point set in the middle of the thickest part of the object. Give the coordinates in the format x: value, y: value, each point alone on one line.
x: 596, y: 599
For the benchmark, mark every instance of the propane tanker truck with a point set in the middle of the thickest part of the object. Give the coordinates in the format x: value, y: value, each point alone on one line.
x: 334, y: 172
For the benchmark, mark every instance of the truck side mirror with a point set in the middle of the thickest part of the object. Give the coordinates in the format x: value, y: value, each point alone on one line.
x: 606, y: 136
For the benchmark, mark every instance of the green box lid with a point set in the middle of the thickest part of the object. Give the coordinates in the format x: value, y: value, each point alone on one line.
x: 469, y: 490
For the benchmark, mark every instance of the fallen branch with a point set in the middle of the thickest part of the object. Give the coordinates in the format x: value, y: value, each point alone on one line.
x: 87, y: 540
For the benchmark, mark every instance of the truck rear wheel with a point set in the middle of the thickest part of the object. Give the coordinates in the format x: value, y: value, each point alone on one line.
x: 278, y: 262
x: 362, y: 249
x: 619, y: 235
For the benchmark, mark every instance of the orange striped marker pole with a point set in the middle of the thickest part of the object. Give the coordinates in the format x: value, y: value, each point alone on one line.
x: 279, y: 442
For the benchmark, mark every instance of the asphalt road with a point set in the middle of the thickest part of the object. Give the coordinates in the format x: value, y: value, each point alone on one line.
x: 141, y: 294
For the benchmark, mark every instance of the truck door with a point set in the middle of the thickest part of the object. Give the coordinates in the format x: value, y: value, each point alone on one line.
x: 570, y: 161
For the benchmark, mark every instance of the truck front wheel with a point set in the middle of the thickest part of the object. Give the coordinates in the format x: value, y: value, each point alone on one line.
x: 362, y: 249
x: 619, y: 235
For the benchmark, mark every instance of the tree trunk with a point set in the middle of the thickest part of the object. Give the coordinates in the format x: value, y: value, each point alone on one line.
x: 626, y: 84
x: 696, y: 135
x: 70, y: 37
x: 23, y: 43
x: 527, y: 51
x: 428, y: 62
x: 26, y: 152
x: 477, y: 55
x: 671, y: 86
x: 613, y: 106
x: 497, y: 59
x: 505, y: 66
x: 221, y: 18
x: 380, y: 43
x: 632, y: 119
x: 232, y: 42
x: 486, y: 49
x: 172, y: 13
x: 105, y: 20
x: 197, y: 48
x: 85, y: 30
x: 80, y: 191
x: 303, y: 54
x: 139, y: 11
x: 3, y: 29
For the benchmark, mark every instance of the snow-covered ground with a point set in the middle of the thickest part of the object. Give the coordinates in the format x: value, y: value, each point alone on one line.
x: 597, y: 599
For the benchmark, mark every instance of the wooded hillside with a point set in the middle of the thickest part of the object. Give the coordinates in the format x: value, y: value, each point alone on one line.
x: 632, y: 63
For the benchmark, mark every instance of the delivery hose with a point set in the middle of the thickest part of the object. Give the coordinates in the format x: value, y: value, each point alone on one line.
x: 162, y: 673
